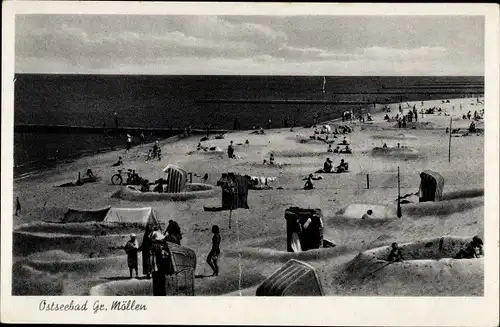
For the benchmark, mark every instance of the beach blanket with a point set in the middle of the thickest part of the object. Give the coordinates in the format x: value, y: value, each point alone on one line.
x: 261, y: 180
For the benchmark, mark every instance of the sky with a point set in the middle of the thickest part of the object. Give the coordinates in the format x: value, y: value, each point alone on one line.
x: 250, y: 45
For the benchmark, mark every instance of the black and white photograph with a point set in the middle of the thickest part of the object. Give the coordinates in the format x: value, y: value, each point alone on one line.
x: 168, y: 154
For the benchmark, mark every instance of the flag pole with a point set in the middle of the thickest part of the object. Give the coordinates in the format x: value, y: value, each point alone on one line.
x: 399, y: 197
x: 449, y: 144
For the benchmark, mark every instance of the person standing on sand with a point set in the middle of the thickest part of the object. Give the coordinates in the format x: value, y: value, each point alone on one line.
x: 146, y: 249
x: 116, y: 120
x: 269, y: 124
x: 213, y: 255
x: 230, y: 150
x: 142, y: 137
x: 131, y: 248
x: 129, y: 142
x: 18, y: 206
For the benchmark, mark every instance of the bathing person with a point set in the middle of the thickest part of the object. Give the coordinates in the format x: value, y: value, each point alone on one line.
x: 89, y: 173
x: 329, y: 148
x: 271, y: 159
x: 368, y: 214
x: 343, y: 166
x: 309, y: 184
x: 230, y: 150
x: 156, y: 146
x: 131, y: 248
x: 395, y: 255
x: 337, y: 149
x: 473, y: 250
x: 472, y: 127
x: 213, y: 255
x: 119, y: 162
x: 129, y: 142
x: 385, y: 145
x: 328, y: 166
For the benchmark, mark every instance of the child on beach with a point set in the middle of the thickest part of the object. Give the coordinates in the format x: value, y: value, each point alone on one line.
x: 213, y: 255
x: 131, y: 248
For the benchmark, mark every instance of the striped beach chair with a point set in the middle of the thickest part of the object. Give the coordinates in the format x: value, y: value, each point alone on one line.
x: 176, y: 177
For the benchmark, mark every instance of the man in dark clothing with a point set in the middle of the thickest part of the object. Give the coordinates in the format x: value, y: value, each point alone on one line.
x: 327, y: 166
x: 146, y: 249
x: 213, y: 255
x: 116, y: 120
x: 343, y: 166
x: 395, y: 255
x: 174, y: 232
x: 230, y: 150
x: 18, y: 206
x: 473, y: 250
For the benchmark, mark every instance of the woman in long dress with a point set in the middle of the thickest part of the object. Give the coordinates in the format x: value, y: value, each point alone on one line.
x: 146, y: 249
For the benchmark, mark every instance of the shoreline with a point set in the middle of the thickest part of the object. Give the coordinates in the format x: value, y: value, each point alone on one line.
x: 53, y: 163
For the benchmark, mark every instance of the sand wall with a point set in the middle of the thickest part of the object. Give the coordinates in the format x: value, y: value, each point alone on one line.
x: 357, y: 210
x: 194, y: 191
x: 25, y: 243
x: 441, y: 208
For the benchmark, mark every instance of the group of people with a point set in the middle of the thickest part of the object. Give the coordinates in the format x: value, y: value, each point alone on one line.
x: 474, y: 249
x: 155, y: 152
x: 156, y: 254
x: 347, y: 149
x: 327, y: 168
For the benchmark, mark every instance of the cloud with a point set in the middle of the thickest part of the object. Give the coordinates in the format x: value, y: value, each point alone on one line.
x: 421, y: 53
x: 244, y: 45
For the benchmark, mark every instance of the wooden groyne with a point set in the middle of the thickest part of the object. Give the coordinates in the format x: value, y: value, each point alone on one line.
x: 71, y: 129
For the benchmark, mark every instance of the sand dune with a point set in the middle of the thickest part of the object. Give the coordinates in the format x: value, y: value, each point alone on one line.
x: 428, y: 269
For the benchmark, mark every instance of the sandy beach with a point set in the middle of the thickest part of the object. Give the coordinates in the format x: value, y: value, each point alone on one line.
x: 255, y: 246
